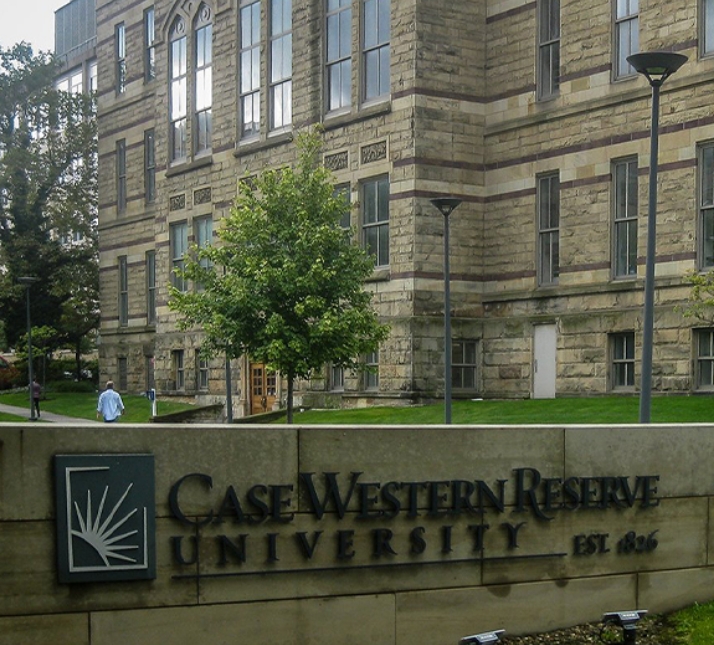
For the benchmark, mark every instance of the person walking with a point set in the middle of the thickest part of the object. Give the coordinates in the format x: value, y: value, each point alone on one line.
x: 110, y: 405
x: 36, y: 392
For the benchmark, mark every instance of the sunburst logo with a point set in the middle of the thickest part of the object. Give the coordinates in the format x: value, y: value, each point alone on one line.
x: 105, y: 517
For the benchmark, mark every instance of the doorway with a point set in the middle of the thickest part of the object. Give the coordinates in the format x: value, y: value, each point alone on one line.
x: 263, y: 388
x: 544, y: 365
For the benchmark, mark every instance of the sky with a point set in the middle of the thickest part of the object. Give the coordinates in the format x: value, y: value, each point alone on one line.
x: 29, y: 20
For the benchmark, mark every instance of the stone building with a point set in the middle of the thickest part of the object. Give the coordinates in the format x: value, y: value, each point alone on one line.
x: 526, y: 110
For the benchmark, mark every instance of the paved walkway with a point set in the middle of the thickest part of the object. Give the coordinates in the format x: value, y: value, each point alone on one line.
x: 46, y: 416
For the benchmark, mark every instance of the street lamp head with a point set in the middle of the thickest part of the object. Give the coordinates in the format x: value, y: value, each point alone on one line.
x: 446, y: 204
x: 27, y: 280
x: 657, y: 66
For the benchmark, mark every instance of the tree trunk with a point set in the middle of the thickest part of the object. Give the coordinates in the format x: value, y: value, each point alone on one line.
x: 291, y: 382
x: 78, y: 361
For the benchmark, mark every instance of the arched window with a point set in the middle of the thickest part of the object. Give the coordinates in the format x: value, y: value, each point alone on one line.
x: 190, y: 83
x: 203, y: 75
x: 178, y: 90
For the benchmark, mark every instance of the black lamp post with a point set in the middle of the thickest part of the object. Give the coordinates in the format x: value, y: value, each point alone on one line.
x: 27, y: 281
x: 656, y: 67
x: 446, y: 205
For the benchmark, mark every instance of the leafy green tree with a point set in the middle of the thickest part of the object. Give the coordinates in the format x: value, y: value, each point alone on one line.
x: 285, y: 282
x: 700, y: 304
x: 48, y: 190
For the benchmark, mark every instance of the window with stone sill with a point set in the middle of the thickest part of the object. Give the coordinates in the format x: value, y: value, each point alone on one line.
x: 706, y: 19
x: 373, y: 52
x: 190, y: 83
x: 706, y: 205
x: 280, y: 96
x: 178, y: 234
x: 149, y: 45
x: 249, y: 69
x: 371, y: 375
x: 375, y: 219
x: 120, y: 58
x: 463, y: 364
x: 627, y: 36
x: 123, y: 291
x: 622, y: 360
x: 625, y: 206
x: 548, y: 195
x: 548, y: 48
x: 704, y: 339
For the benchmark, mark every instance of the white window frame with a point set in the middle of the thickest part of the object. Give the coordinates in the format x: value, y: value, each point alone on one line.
x: 625, y: 205
x: 705, y: 165
x: 627, y: 36
x: 375, y: 219
x: 375, y: 44
x: 249, y: 41
x: 548, y: 200
x: 281, y: 65
x: 622, y: 361
x: 548, y: 49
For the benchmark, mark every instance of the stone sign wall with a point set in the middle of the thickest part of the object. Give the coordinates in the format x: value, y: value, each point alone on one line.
x: 386, y: 536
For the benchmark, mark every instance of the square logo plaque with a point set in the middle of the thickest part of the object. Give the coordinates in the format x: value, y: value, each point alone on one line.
x: 105, y: 518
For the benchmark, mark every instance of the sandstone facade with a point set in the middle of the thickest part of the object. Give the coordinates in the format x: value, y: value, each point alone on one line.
x: 464, y: 114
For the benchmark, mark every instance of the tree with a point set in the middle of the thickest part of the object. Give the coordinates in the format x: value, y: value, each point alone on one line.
x: 700, y: 303
x: 48, y: 191
x: 285, y: 282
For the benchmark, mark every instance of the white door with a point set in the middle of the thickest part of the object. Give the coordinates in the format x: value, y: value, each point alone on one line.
x: 544, y: 347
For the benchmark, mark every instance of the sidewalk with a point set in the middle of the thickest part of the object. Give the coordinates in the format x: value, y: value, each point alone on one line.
x: 46, y: 416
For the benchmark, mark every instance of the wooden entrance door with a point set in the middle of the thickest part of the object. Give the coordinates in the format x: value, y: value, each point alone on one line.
x: 263, y: 388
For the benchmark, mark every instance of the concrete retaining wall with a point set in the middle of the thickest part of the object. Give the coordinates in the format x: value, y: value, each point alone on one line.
x: 428, y: 534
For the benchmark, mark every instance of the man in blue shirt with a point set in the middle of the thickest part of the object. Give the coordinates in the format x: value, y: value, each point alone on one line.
x: 110, y: 405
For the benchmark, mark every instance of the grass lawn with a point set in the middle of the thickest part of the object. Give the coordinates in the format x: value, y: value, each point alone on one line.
x: 83, y: 405
x: 606, y: 410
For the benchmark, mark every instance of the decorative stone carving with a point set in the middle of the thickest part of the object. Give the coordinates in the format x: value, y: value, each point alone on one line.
x: 202, y: 196
x: 373, y: 152
x: 177, y: 202
x: 337, y: 161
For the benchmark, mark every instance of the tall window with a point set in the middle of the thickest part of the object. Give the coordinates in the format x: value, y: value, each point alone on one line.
x: 548, y: 229
x: 706, y: 205
x: 707, y: 27
x: 123, y: 291
x: 179, y: 247
x: 337, y: 378
x: 375, y: 219
x: 203, y: 234
x: 250, y: 69
x: 281, y: 64
x: 548, y: 48
x: 120, y: 57
x: 149, y: 166
x: 705, y: 358
x: 178, y: 90
x: 177, y: 366
x: 342, y: 191
x: 375, y: 48
x: 625, y: 218
x: 201, y: 372
x: 627, y: 35
x: 121, y: 175
x: 371, y: 376
x: 150, y: 287
x: 622, y: 347
x: 463, y: 364
x: 339, y: 52
x: 149, y: 47
x: 203, y: 80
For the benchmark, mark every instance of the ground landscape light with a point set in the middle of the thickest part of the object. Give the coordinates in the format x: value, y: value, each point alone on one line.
x: 485, y: 637
x: 627, y: 620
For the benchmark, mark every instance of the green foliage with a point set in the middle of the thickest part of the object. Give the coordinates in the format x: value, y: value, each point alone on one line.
x: 592, y: 410
x: 700, y: 304
x: 285, y: 282
x: 48, y: 183
x: 693, y: 625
